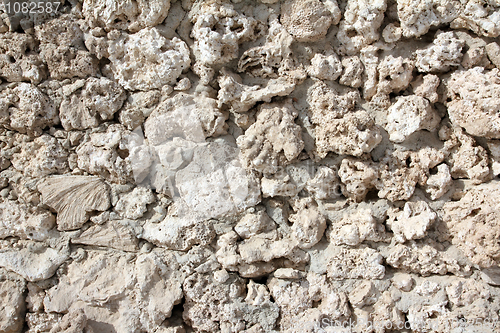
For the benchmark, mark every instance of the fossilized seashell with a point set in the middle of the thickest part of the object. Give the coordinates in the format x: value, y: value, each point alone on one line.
x: 115, y: 235
x: 73, y: 197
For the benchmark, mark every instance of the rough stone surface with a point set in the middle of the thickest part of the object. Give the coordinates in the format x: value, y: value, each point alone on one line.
x: 98, y: 100
x: 408, y: 115
x: 147, y: 60
x: 205, y: 166
x: 308, y: 21
x: 13, y: 305
x: 19, y: 61
x: 62, y: 48
x: 273, y: 140
x: 473, y: 101
x: 27, y: 109
x: 444, y: 53
x: 128, y: 15
x: 360, y: 24
x: 339, y: 127
x: 473, y: 218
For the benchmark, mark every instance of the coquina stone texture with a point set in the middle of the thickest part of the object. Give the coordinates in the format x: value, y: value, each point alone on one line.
x: 251, y: 166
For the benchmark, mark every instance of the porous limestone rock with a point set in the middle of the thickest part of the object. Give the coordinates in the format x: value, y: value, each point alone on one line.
x: 146, y: 60
x: 137, y: 107
x: 173, y: 166
x: 472, y: 225
x: 439, y: 183
x: 473, y: 57
x: 265, y: 247
x: 352, y: 72
x: 178, y: 233
x: 493, y: 52
x: 214, y: 306
x: 18, y: 59
x: 74, y: 321
x: 480, y: 17
x: 13, y: 305
x: 325, y: 184
x: 347, y: 263
x: 400, y: 172
x: 218, y: 30
x: 104, y: 154
x: 41, y: 157
x: 473, y: 103
x: 308, y: 21
x: 33, y: 261
x: 408, y: 115
x: 271, y: 59
x: 242, y: 98
x: 223, y: 177
x: 21, y: 188
x: 445, y: 52
x: 466, y: 157
x: 394, y: 75
x: 274, y: 140
x: 133, y: 204
x: 395, y: 176
x: 259, y: 254
x: 185, y: 116
x: 339, y: 127
x: 355, y: 228
x: 131, y: 15
x: 308, y: 226
x: 17, y: 221
x: 494, y: 147
x: 297, y: 299
x: 39, y: 322
x: 426, y: 86
x: 73, y: 197
x: 357, y: 178
x: 425, y: 260
x: 360, y: 24
x: 278, y: 185
x: 418, y: 17
x: 95, y: 101
x: 252, y: 224
x: 392, y: 33
x: 95, y: 278
x: 27, y: 109
x: 370, y: 58
x: 62, y: 48
x: 411, y: 223
x: 325, y: 67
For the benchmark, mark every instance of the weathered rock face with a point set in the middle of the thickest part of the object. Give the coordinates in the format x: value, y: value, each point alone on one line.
x: 218, y: 30
x: 146, y: 60
x: 95, y: 278
x: 63, y: 50
x: 408, y: 115
x: 97, y: 100
x: 173, y: 166
x: 19, y: 62
x: 308, y: 21
x: 273, y: 140
x: 475, y: 218
x: 26, y: 109
x: 473, y: 103
x: 13, y: 305
x: 340, y: 128
x: 128, y: 15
